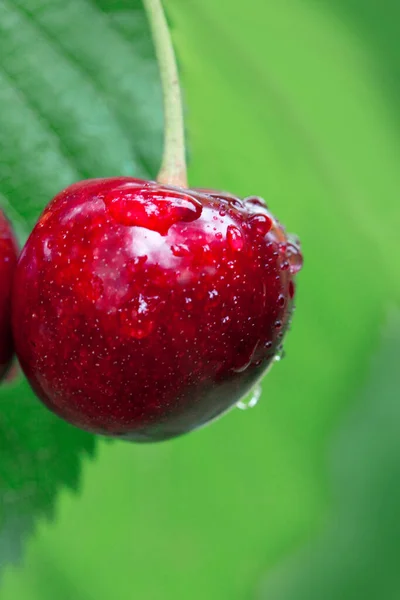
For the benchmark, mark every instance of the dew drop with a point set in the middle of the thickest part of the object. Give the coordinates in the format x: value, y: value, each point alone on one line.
x: 281, y: 300
x: 221, y: 195
x: 255, y: 201
x: 139, y: 260
x: 294, y: 256
x: 280, y: 355
x: 180, y: 250
x: 236, y: 202
x: 285, y: 265
x: 260, y: 224
x: 251, y: 399
x: 235, y: 238
x: 153, y: 208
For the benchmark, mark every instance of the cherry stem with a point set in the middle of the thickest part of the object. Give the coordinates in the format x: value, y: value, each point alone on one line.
x: 173, y: 168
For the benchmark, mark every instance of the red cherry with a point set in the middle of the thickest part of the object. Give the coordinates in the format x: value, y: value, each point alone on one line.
x: 8, y: 262
x: 144, y: 311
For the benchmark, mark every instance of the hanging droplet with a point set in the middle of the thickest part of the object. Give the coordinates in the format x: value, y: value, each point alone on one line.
x: 280, y: 355
x: 251, y: 399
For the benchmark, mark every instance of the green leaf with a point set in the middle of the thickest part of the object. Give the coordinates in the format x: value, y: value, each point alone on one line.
x: 38, y: 453
x: 79, y: 98
x: 357, y: 555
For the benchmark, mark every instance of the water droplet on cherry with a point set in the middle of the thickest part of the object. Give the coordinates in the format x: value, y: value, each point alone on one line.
x: 255, y: 201
x: 281, y: 300
x: 294, y: 256
x: 260, y: 224
x: 235, y: 238
x: 139, y: 260
x: 156, y: 209
x: 180, y: 250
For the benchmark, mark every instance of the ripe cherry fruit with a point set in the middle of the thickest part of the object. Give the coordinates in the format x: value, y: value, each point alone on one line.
x: 8, y: 262
x: 144, y: 311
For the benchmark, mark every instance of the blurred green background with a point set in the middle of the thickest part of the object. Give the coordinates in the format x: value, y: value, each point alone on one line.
x: 296, y: 101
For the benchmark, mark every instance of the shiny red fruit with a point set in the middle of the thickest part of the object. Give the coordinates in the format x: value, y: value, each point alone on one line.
x: 8, y: 262
x: 144, y: 311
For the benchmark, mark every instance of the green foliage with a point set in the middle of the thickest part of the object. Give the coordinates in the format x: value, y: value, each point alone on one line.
x: 285, y: 100
x: 79, y: 98
x: 356, y: 557
x: 38, y: 454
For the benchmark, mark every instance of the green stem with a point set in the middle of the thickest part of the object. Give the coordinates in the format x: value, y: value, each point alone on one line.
x: 173, y: 168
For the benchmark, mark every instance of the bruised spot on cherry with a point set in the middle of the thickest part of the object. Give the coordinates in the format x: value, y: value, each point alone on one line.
x: 8, y: 262
x: 144, y: 311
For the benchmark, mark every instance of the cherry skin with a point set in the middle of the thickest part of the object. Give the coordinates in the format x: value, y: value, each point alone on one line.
x: 8, y: 263
x: 144, y: 311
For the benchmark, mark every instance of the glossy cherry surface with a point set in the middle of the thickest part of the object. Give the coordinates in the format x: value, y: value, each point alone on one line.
x: 144, y: 311
x: 8, y: 262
